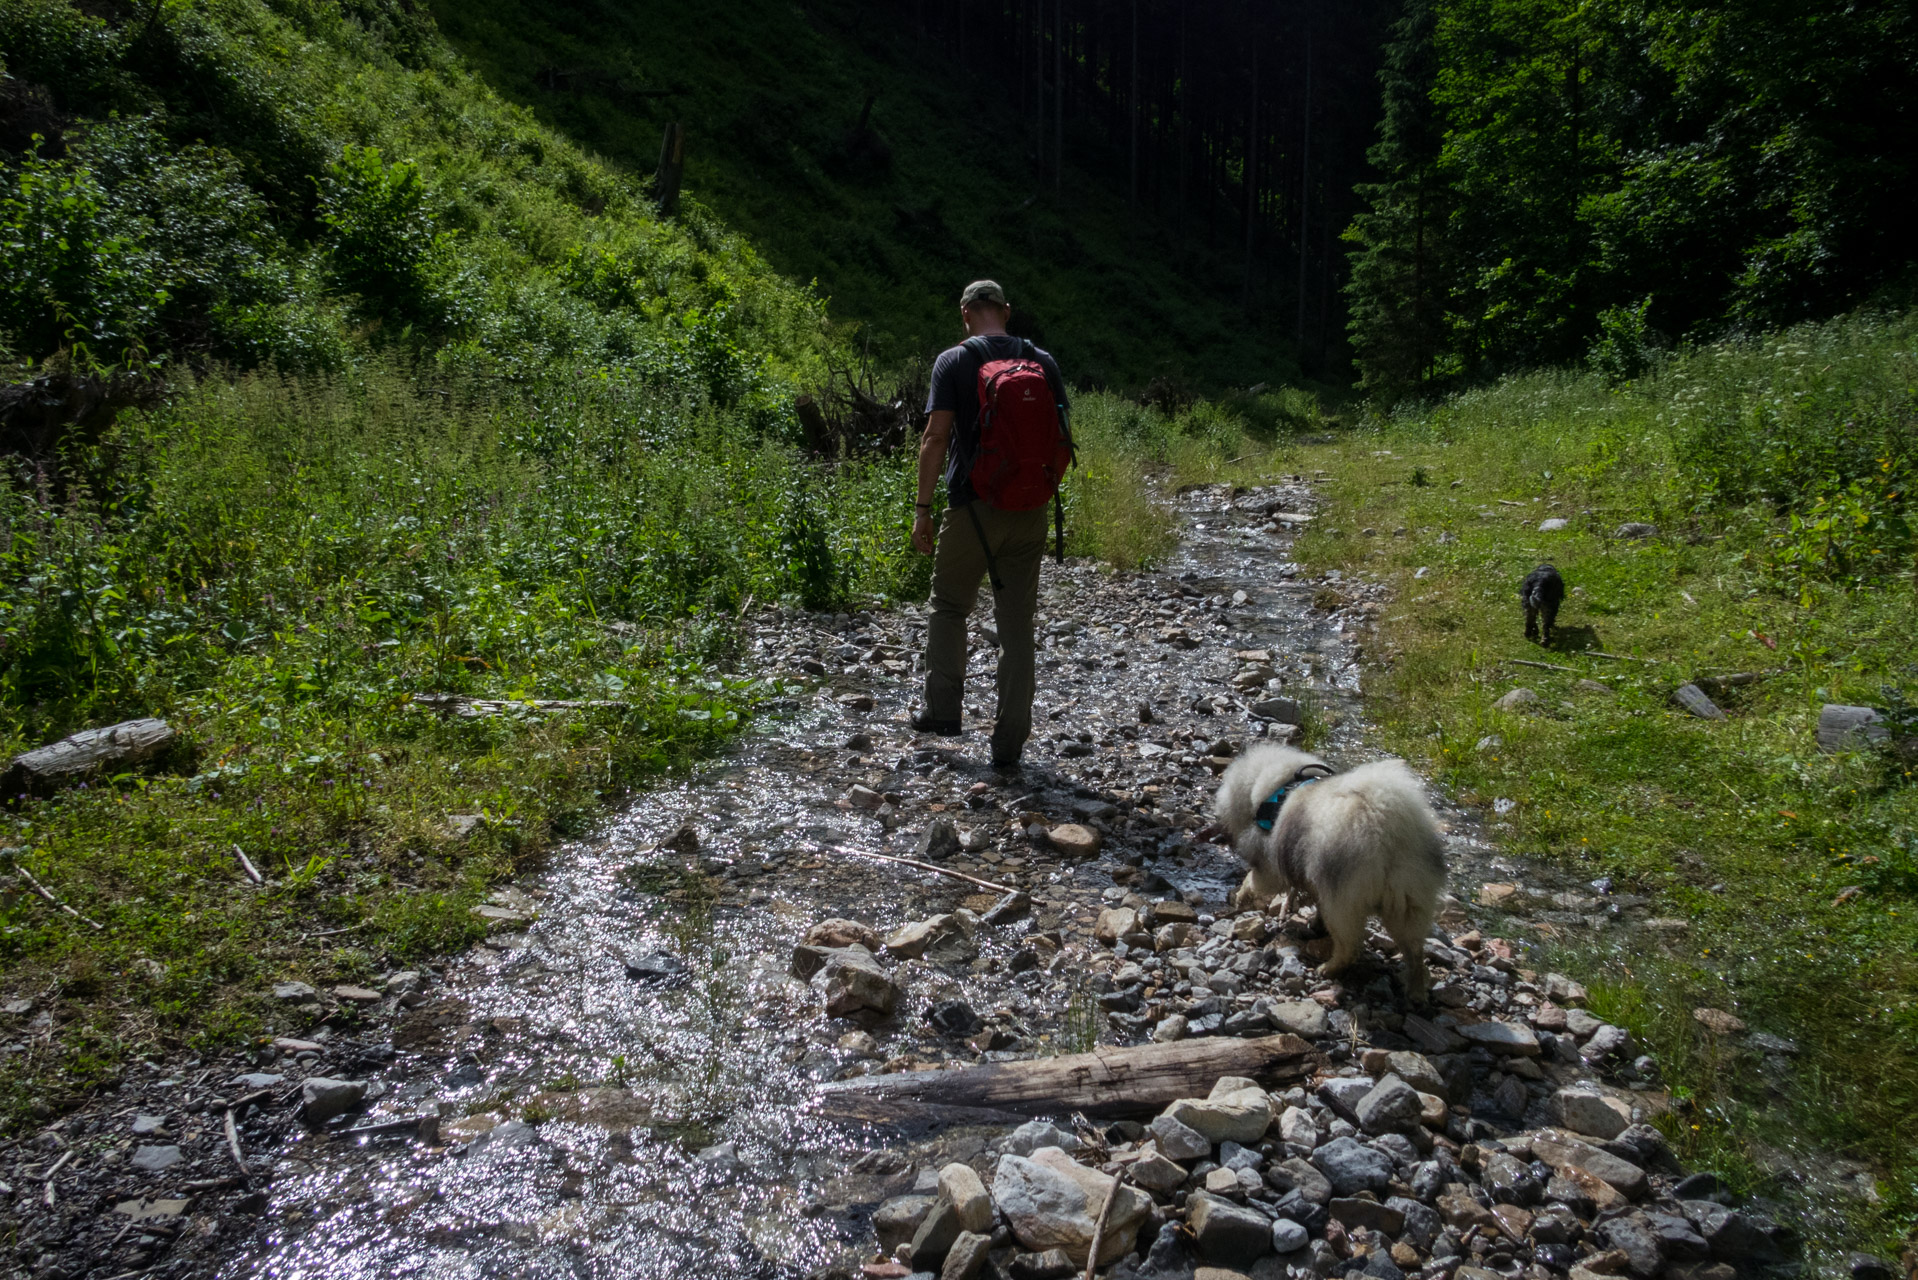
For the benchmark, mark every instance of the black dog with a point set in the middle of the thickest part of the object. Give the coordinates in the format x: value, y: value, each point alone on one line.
x: 1541, y: 593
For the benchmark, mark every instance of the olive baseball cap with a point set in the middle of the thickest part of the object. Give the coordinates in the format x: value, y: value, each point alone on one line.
x: 983, y: 291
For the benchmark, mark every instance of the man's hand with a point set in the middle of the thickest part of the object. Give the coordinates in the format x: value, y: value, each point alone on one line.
x: 932, y: 456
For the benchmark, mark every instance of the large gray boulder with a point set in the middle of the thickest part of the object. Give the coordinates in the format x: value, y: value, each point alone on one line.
x: 1050, y: 1201
x: 1228, y: 1234
x: 1351, y: 1167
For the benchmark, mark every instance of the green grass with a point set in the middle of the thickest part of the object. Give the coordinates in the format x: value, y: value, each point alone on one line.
x: 1739, y: 826
x: 277, y: 568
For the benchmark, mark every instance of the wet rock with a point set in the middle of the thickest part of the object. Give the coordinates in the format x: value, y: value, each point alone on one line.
x: 321, y: 1098
x: 898, y: 1219
x: 1590, y: 1112
x: 1734, y: 1236
x: 1351, y: 1166
x: 1297, y: 1129
x: 1051, y: 1264
x: 860, y: 796
x: 1865, y: 1266
x: 1557, y: 1148
x: 1229, y: 1234
x: 1421, y: 1223
x: 939, y: 841
x: 1607, y: 1042
x: 1236, y: 1110
x: 1115, y: 923
x: 684, y: 839
x: 1392, y: 1106
x: 1051, y: 1202
x: 1430, y: 1036
x: 1507, y: 1038
x: 1510, y: 1097
x: 1301, y: 1176
x: 1284, y: 710
x: 1156, y: 1173
x: 657, y: 969
x: 1517, y: 700
x: 1287, y: 1236
x: 1631, y: 1237
x: 1370, y: 1214
x: 1009, y: 908
x: 1074, y: 840
x: 854, y: 984
x: 855, y: 701
x: 1168, y: 911
x: 1034, y: 1134
x: 1677, y: 1238
x: 839, y: 932
x: 1342, y: 1095
x: 1179, y: 1140
x: 911, y: 941
x: 145, y: 1210
x: 721, y: 1158
x: 1719, y: 1022
x: 153, y: 1159
x: 1305, y: 1018
x: 936, y: 1234
x: 966, y: 1260
x: 954, y: 1019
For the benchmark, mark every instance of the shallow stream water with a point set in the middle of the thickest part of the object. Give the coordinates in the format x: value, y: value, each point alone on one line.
x: 595, y: 1124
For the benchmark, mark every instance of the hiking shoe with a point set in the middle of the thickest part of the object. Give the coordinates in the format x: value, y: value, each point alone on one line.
x: 1007, y: 764
x: 923, y: 723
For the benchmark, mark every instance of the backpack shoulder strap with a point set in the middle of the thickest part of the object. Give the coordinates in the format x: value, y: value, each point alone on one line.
x: 979, y: 351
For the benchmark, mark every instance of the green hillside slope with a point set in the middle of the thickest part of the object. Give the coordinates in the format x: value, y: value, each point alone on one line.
x: 892, y: 226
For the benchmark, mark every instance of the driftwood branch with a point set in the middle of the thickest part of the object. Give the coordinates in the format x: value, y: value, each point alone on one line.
x: 1105, y: 1214
x: 1108, y: 1082
x: 233, y: 1145
x: 929, y: 866
x: 70, y: 759
x: 42, y: 891
x: 474, y: 708
x: 246, y: 865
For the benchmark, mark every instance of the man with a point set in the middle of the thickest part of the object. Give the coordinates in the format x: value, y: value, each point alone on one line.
x: 976, y: 539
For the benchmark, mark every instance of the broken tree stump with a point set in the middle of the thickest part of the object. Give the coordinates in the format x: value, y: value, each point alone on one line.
x: 1108, y: 1082
x: 132, y: 742
x: 672, y: 164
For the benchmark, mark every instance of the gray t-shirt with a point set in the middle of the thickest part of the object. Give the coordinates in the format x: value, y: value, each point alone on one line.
x: 955, y: 387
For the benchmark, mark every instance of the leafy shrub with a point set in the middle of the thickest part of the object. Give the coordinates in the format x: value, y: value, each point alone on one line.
x: 1625, y: 347
x: 383, y: 243
x: 70, y: 277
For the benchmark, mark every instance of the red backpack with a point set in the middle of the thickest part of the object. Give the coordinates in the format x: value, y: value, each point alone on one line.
x: 1024, y: 445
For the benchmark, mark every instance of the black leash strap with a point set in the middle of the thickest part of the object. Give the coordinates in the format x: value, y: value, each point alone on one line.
x: 992, y: 565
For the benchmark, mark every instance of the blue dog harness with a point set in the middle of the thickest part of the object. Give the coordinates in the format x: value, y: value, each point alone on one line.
x: 1267, y: 814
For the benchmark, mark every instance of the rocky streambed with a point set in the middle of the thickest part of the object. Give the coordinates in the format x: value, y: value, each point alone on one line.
x: 626, y: 1079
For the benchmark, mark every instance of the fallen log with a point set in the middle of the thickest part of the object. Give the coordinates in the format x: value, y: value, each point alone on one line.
x: 44, y: 768
x: 1108, y: 1082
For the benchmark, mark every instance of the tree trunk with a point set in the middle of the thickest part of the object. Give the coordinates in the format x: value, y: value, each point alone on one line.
x: 120, y: 745
x: 672, y: 163
x: 1305, y: 182
x: 1108, y: 1082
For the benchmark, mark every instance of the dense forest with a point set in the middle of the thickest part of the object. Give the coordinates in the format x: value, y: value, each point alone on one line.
x: 1611, y: 178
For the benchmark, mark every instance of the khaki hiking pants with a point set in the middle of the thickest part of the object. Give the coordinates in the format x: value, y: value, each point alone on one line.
x: 1018, y: 541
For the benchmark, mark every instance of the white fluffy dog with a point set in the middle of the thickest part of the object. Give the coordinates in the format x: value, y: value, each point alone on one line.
x: 1361, y: 843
